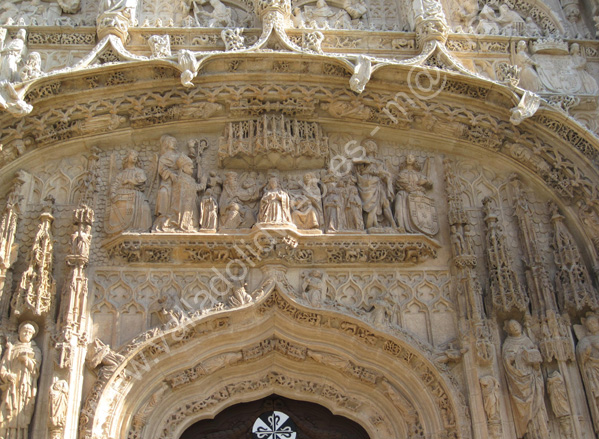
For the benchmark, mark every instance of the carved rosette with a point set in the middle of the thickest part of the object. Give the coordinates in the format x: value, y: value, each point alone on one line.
x: 36, y: 289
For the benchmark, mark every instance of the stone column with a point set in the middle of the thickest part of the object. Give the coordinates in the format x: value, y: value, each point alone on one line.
x: 71, y: 338
x: 479, y: 360
x: 8, y: 248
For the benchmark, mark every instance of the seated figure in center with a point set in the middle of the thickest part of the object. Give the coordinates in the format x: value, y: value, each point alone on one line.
x: 274, y: 205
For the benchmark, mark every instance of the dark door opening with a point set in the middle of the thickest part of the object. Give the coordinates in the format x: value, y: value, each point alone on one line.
x: 312, y: 421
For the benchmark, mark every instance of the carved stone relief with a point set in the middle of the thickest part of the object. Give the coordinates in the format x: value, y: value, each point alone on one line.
x: 19, y: 372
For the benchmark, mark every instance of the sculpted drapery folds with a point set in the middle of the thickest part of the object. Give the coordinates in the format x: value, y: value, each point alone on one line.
x: 19, y: 371
x: 415, y: 212
x: 10, y: 57
x: 376, y: 188
x: 58, y: 406
x: 588, y: 361
x: 168, y: 174
x: 275, y: 204
x: 522, y: 360
x: 183, y: 212
x: 307, y: 204
x: 129, y: 209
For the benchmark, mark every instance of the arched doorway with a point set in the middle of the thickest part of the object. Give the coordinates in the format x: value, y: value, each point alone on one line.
x: 311, y: 421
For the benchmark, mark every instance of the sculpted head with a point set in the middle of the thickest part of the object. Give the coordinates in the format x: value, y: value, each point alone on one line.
x: 371, y: 147
x: 273, y: 180
x: 575, y: 49
x: 185, y: 164
x: 592, y: 324
x: 231, y: 179
x: 130, y: 159
x: 27, y: 331
x: 167, y: 143
x: 22, y: 34
x: 513, y: 328
x: 521, y: 46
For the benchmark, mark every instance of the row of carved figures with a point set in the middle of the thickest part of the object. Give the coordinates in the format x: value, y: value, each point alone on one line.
x: 187, y: 13
x: 19, y: 372
x: 522, y: 361
x: 521, y: 358
x: 501, y: 19
x: 368, y: 197
x: 468, y: 16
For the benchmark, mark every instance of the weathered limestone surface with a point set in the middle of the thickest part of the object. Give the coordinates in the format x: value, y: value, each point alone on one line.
x: 387, y: 208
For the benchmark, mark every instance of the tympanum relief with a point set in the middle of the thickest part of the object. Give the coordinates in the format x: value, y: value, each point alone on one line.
x: 366, y: 197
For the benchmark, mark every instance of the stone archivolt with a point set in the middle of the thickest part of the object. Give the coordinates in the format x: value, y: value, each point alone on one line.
x: 380, y: 292
x: 160, y: 346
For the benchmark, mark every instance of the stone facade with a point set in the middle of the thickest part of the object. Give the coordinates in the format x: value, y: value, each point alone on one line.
x: 386, y: 208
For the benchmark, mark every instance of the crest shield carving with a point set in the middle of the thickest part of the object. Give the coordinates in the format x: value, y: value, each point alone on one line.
x: 423, y: 214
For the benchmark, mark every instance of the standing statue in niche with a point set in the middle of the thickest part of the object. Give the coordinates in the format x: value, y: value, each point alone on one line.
x: 354, y: 220
x: 558, y: 396
x: 81, y: 241
x: 209, y: 209
x: 415, y: 212
x: 183, y: 215
x: 588, y: 360
x: 375, y: 186
x: 168, y: 173
x: 19, y: 371
x: 129, y: 209
x: 522, y: 361
x: 334, y: 216
x: 58, y: 406
x: 274, y: 205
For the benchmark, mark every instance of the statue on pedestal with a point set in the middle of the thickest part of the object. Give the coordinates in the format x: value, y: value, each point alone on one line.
x: 522, y: 361
x: 587, y: 352
x: 19, y: 371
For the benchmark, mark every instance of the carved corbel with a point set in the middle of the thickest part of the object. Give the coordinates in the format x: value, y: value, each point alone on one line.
x: 362, y: 73
x: 527, y: 107
x: 188, y: 66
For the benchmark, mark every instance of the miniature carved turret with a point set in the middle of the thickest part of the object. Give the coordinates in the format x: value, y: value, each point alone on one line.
x: 36, y: 289
x: 539, y: 287
x: 572, y: 280
x: 8, y: 248
x: 74, y: 297
x: 505, y: 289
